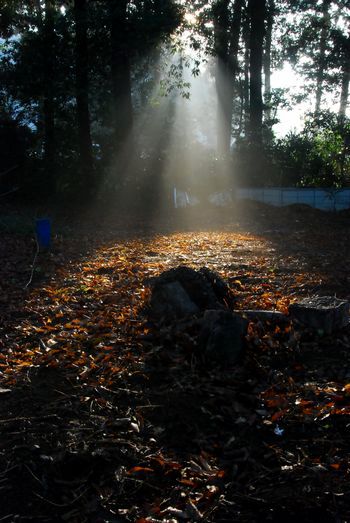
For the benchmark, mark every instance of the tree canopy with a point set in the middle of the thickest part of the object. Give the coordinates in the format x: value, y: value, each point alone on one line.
x: 93, y: 93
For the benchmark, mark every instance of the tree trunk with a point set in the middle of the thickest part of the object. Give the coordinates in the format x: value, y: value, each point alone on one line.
x: 344, y: 92
x: 122, y: 112
x: 222, y: 79
x: 227, y: 32
x: 257, y: 10
x: 245, y: 87
x: 48, y: 105
x: 322, y: 54
x: 224, y: 91
x: 267, y: 58
x: 82, y: 92
x: 345, y: 80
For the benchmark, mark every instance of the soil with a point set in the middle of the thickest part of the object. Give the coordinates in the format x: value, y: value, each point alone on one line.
x: 106, y: 416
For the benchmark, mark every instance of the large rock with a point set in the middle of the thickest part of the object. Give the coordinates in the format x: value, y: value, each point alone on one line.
x: 171, y: 299
x: 221, y: 339
x: 323, y: 313
x: 183, y: 291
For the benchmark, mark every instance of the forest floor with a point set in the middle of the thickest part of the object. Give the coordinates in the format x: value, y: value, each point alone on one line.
x: 107, y: 417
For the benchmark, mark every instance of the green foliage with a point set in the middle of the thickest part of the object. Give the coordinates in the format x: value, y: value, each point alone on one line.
x: 319, y: 156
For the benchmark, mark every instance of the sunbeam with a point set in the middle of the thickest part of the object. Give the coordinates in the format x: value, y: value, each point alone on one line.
x: 173, y: 147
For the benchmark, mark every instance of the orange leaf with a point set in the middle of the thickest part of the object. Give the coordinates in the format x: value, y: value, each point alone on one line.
x: 276, y: 402
x: 279, y: 414
x: 135, y: 470
x: 308, y: 411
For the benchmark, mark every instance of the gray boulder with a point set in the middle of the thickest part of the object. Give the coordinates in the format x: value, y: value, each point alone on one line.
x: 322, y: 313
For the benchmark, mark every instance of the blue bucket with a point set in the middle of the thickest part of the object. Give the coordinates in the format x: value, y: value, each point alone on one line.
x: 43, y: 232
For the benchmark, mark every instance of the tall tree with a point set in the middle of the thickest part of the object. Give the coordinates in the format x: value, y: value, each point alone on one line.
x: 245, y: 82
x: 257, y: 12
x: 321, y: 66
x: 48, y: 28
x: 314, y: 38
x: 227, y: 28
x: 345, y: 72
x: 122, y: 110
x: 270, y: 14
x: 82, y: 91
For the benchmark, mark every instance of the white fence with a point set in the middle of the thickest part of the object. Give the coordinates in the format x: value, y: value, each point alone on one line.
x: 324, y: 199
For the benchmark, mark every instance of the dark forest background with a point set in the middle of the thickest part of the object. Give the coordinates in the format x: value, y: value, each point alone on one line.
x: 89, y: 92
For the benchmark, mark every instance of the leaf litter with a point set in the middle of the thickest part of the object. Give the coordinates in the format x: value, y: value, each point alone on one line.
x: 106, y: 416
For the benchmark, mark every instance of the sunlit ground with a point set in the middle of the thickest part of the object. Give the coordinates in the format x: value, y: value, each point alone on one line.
x: 99, y: 300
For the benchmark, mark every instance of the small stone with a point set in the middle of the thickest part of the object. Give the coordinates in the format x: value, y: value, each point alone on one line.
x: 264, y: 315
x: 4, y: 391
